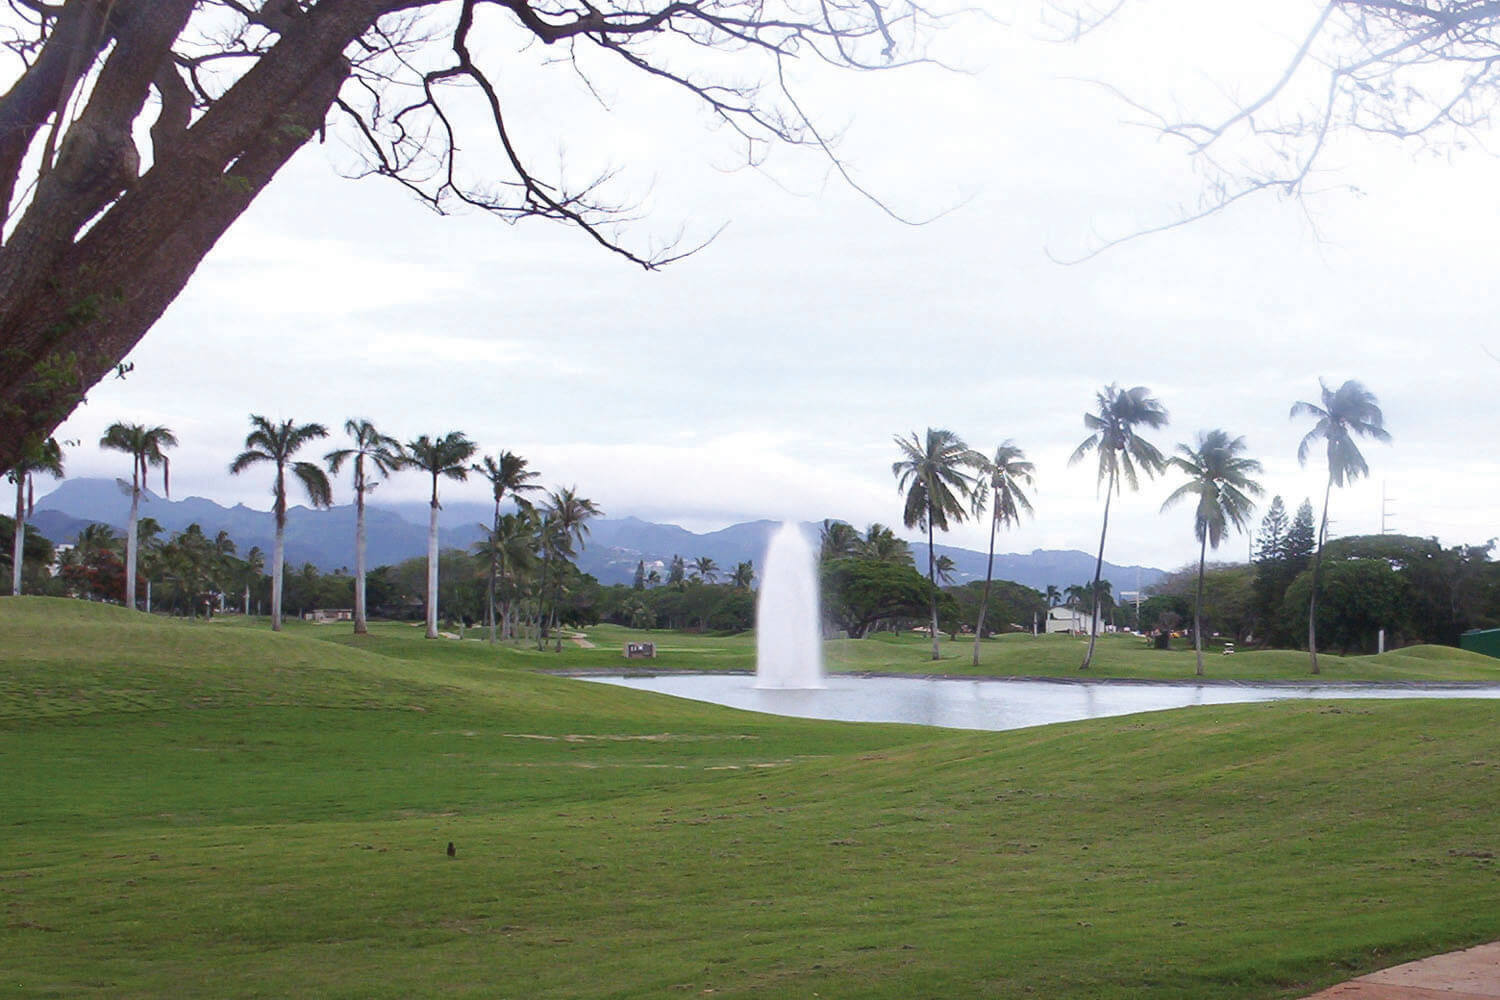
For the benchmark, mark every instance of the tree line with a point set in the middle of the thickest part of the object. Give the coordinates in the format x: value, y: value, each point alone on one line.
x: 525, y: 554
x: 944, y: 481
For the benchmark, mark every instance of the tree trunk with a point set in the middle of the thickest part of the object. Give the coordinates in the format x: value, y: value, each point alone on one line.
x: 99, y: 252
x: 494, y: 570
x: 1088, y: 657
x: 989, y: 572
x: 277, y: 551
x: 247, y: 598
x: 360, y: 626
x: 132, y: 550
x: 1198, y: 606
x: 932, y: 578
x: 1312, y: 603
x: 18, y: 552
x: 432, y: 564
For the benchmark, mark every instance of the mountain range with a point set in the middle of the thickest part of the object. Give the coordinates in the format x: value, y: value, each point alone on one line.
x: 398, y: 531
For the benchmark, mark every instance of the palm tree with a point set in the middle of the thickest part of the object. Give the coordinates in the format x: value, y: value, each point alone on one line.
x: 1220, y: 479
x: 705, y: 569
x: 1053, y: 595
x: 565, y: 522
x: 145, y: 447
x: 881, y: 544
x: 510, y: 548
x: 277, y: 443
x: 1000, y: 483
x: 1351, y: 411
x: 506, y: 472
x: 45, y: 459
x: 148, y: 549
x: 446, y: 456
x: 743, y: 575
x: 255, y: 565
x: 1120, y: 449
x: 838, y: 540
x: 383, y: 455
x: 931, y: 474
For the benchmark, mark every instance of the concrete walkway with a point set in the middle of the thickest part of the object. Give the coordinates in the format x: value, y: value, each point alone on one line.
x: 1459, y: 975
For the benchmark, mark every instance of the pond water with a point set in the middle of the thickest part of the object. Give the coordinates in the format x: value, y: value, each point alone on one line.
x: 956, y: 703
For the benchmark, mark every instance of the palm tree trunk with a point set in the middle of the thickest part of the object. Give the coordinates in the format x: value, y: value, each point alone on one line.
x: 1312, y: 603
x: 1198, y: 607
x: 278, y: 551
x: 541, y: 603
x: 489, y: 608
x: 432, y: 564
x: 1088, y: 657
x: 247, y: 599
x: 932, y: 578
x: 989, y: 571
x: 132, y: 536
x: 361, y: 627
x: 18, y: 552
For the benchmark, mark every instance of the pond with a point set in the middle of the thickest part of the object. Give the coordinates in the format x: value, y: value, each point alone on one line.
x: 958, y: 703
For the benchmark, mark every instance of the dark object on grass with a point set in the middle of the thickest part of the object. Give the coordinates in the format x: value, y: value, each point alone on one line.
x: 451, y: 852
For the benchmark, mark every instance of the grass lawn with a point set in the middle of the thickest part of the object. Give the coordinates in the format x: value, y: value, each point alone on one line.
x: 213, y: 810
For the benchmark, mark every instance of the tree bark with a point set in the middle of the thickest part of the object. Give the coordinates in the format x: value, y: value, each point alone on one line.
x: 72, y: 306
x: 20, y: 543
x: 1312, y: 602
x: 360, y: 626
x: 1088, y: 658
x: 1198, y: 606
x: 432, y: 563
x: 132, y: 535
x: 932, y: 579
x: 279, y: 549
x: 989, y: 572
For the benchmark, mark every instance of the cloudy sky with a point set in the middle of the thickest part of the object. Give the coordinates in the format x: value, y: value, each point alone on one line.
x: 767, y: 375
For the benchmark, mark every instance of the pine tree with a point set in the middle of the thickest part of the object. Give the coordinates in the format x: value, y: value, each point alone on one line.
x: 640, y: 575
x: 1270, y: 541
x: 1301, y: 539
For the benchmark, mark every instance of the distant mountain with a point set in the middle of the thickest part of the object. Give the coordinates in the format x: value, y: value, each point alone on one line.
x: 615, y: 546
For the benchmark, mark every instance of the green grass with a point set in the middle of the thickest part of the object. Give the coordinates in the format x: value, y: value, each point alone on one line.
x: 212, y: 810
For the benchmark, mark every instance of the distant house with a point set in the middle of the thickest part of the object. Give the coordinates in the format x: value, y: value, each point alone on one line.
x: 323, y: 615
x: 1068, y: 619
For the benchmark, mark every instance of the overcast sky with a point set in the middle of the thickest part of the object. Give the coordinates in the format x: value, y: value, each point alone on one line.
x: 766, y: 376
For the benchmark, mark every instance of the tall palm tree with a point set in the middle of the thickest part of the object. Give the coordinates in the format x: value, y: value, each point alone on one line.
x: 506, y: 473
x: 277, y: 443
x: 881, y: 544
x: 838, y: 540
x: 255, y: 565
x: 374, y: 455
x: 146, y: 448
x: 1053, y: 595
x: 1349, y: 412
x: 1220, y: 479
x: 743, y: 575
x: 705, y: 569
x: 44, y: 459
x: 510, y: 549
x: 930, y: 473
x: 1120, y: 449
x: 565, y: 523
x: 1000, y: 482
x: 446, y: 456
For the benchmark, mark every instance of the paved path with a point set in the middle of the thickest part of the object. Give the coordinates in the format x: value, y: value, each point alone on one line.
x: 1459, y: 975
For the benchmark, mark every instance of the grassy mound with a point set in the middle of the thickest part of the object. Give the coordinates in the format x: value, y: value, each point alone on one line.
x: 207, y: 810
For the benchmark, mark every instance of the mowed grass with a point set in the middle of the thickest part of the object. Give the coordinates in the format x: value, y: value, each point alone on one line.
x: 210, y: 810
x: 1117, y: 656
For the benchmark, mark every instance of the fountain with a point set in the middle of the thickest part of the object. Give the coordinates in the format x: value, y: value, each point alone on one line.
x: 788, y: 626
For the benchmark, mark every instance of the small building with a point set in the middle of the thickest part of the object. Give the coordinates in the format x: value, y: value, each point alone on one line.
x: 323, y: 615
x: 1071, y: 620
x: 1481, y: 640
x: 640, y: 651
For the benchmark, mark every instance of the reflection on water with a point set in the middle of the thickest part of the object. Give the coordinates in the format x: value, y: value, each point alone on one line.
x: 994, y: 704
